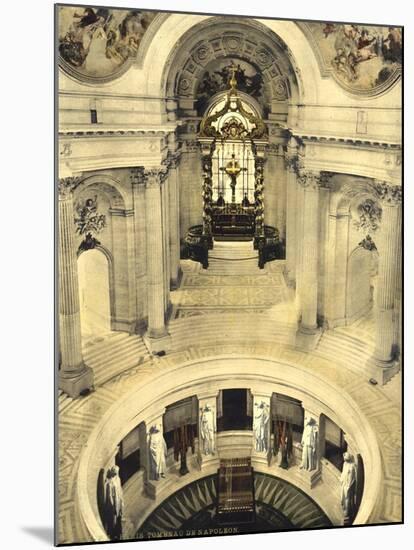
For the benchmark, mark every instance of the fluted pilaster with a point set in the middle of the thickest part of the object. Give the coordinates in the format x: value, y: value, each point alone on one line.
x: 175, y: 270
x: 74, y: 376
x: 138, y: 192
x: 307, y: 290
x: 154, y: 179
x: 388, y: 242
x: 291, y: 210
x: 166, y: 242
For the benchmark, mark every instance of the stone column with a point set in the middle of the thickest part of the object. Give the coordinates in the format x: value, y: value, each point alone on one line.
x: 324, y: 202
x: 291, y: 160
x: 262, y: 420
x: 74, y: 376
x: 384, y: 363
x: 166, y: 245
x: 138, y: 193
x: 312, y: 421
x: 124, y: 269
x: 207, y: 422
x: 175, y: 269
x: 308, y: 334
x: 157, y: 337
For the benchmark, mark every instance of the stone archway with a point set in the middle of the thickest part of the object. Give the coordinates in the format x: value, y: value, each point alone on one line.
x: 359, y: 295
x: 94, y: 293
x: 348, y: 269
x: 114, y: 242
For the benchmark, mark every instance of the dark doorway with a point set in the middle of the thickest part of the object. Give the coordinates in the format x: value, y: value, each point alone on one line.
x: 235, y: 410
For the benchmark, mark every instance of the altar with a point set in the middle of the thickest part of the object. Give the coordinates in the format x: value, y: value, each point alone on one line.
x: 233, y: 221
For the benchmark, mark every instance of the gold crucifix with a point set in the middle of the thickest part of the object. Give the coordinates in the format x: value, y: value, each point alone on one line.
x: 233, y: 170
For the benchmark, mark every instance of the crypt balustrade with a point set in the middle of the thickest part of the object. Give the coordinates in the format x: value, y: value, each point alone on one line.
x: 283, y: 406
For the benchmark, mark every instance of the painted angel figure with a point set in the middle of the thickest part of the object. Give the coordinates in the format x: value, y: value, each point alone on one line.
x: 157, y: 453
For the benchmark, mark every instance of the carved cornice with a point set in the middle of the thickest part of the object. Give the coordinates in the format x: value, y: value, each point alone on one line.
x: 389, y: 195
x: 121, y: 212
x: 326, y: 139
x: 92, y: 132
x: 67, y: 185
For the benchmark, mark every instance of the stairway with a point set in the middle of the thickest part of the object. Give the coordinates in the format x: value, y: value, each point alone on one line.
x: 114, y: 354
x: 232, y: 258
x: 238, y: 326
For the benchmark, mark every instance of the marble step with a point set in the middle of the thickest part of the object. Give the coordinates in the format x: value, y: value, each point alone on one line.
x: 95, y: 347
x: 236, y: 328
x: 235, y: 267
x: 121, y: 355
x: 116, y: 352
x: 233, y: 249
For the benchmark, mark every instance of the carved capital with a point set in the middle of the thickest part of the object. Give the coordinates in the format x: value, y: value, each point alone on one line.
x: 291, y: 161
x: 174, y: 160
x: 67, y: 185
x: 309, y: 180
x: 325, y: 180
x: 192, y: 146
x: 137, y: 176
x: 154, y: 177
x: 389, y: 195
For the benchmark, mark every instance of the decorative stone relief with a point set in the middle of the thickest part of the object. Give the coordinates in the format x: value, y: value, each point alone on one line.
x: 89, y: 221
x: 66, y: 149
x: 309, y: 179
x: 368, y: 243
x: 368, y: 215
x: 67, y: 185
x: 390, y: 195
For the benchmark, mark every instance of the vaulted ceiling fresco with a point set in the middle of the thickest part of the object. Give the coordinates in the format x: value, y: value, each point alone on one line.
x: 97, y: 42
x: 362, y: 58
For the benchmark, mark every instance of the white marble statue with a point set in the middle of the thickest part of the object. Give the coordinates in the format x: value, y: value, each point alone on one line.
x: 157, y: 453
x: 114, y: 504
x: 348, y: 485
x: 309, y: 445
x: 261, y: 427
x: 208, y: 429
